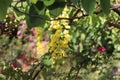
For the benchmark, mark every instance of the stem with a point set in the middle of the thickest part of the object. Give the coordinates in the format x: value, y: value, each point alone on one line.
x: 77, y: 73
x: 36, y: 74
x: 115, y: 8
x: 116, y: 25
x: 31, y: 15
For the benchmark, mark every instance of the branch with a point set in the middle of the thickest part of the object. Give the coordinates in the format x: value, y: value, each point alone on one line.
x: 73, y: 17
x: 31, y: 15
x: 115, y: 8
x: 78, y: 72
x: 72, y: 5
x: 36, y: 70
x: 116, y: 25
x: 41, y: 17
x: 36, y: 74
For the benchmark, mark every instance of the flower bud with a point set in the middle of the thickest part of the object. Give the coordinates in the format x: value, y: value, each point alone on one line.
x: 101, y: 48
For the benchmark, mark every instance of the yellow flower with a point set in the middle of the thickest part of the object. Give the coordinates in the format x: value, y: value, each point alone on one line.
x: 65, y: 32
x: 60, y: 38
x: 67, y: 27
x: 41, y: 47
x: 64, y: 53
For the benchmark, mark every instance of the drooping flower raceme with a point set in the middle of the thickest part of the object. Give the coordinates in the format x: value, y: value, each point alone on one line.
x: 40, y: 46
x: 60, y: 37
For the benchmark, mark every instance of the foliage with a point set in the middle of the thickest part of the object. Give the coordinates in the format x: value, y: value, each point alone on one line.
x: 59, y: 39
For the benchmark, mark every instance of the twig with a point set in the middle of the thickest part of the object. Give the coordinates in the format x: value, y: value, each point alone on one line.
x: 31, y: 15
x: 36, y: 74
x: 116, y: 25
x: 75, y: 14
x: 115, y: 8
x: 79, y: 70
x: 72, y: 5
x: 77, y: 73
x: 38, y: 16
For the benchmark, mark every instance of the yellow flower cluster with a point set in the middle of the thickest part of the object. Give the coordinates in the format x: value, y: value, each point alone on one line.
x: 60, y: 38
x: 39, y: 45
x: 38, y: 32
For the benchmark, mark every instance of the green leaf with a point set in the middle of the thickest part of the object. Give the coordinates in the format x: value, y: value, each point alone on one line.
x: 4, y: 4
x: 88, y: 5
x: 75, y: 2
x: 81, y: 47
x: 35, y: 19
x: 56, y: 9
x: 83, y: 36
x: 34, y: 1
x: 39, y: 5
x: 40, y: 8
x: 2, y: 77
x: 48, y: 2
x: 105, y: 5
x: 47, y: 60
